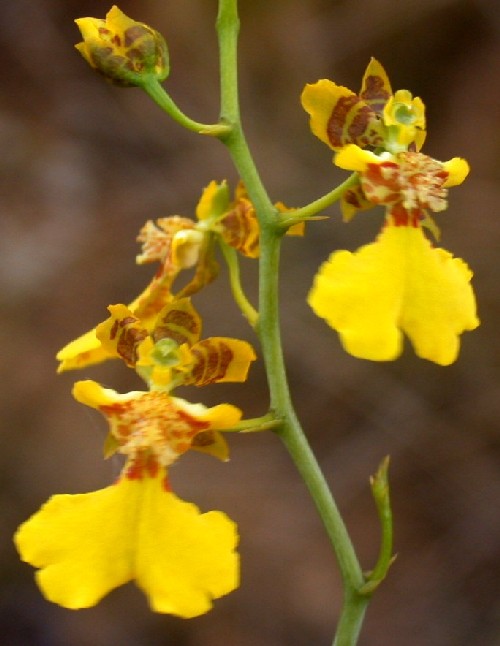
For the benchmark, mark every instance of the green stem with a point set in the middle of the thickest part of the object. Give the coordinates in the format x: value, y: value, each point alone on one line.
x: 267, y: 422
x: 293, y: 435
x: 310, y: 210
x: 268, y: 329
x: 351, y: 619
x: 239, y: 295
x: 153, y: 88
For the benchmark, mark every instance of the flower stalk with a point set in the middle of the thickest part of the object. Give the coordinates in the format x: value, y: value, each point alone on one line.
x: 268, y: 329
x: 156, y: 91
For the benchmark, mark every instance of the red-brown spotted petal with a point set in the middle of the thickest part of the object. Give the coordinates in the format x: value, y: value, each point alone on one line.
x: 375, y: 88
x: 121, y: 334
x: 354, y: 200
x: 212, y: 443
x: 218, y: 359
x: 240, y: 227
x: 178, y: 321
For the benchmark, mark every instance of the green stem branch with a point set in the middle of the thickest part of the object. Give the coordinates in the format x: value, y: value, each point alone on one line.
x: 247, y: 309
x: 153, y: 88
x: 310, y: 210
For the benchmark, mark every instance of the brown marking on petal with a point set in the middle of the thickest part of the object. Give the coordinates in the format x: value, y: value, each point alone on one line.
x: 152, y: 465
x: 353, y: 122
x: 142, y: 465
x: 178, y: 325
x: 136, y: 56
x: 408, y: 186
x: 128, y: 338
x: 352, y: 197
x: 211, y: 362
x: 166, y: 484
x: 156, y: 297
x: 152, y: 430
x: 375, y: 93
x: 240, y: 228
x: 361, y: 122
x: 203, y: 439
x: 400, y: 217
x: 156, y: 238
x: 181, y: 319
x: 133, y: 67
x: 114, y: 330
x: 338, y: 119
x: 99, y: 55
x: 120, y: 324
x: 196, y: 425
x: 135, y: 32
x: 128, y: 343
x: 117, y: 408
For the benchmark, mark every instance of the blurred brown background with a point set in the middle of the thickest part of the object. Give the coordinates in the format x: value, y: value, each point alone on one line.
x: 84, y: 164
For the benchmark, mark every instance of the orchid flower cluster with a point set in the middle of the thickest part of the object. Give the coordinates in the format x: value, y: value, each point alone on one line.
x: 137, y: 529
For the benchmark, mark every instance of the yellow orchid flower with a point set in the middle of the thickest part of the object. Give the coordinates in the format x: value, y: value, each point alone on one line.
x: 374, y: 117
x: 177, y: 243
x: 172, y: 353
x: 400, y: 283
x: 125, y: 51
x: 85, y: 545
x: 234, y: 220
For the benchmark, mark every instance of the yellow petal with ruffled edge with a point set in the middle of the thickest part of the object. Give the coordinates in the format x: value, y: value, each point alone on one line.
x: 85, y: 545
x: 399, y: 283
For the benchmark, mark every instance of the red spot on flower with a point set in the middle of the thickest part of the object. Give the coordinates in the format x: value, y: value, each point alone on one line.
x: 407, y: 186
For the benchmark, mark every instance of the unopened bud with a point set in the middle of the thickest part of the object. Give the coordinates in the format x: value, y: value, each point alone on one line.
x: 125, y: 51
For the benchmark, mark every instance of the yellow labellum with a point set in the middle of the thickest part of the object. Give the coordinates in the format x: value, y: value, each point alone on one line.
x: 85, y: 545
x: 399, y: 283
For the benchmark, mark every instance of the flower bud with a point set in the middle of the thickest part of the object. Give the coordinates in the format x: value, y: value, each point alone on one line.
x: 125, y: 51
